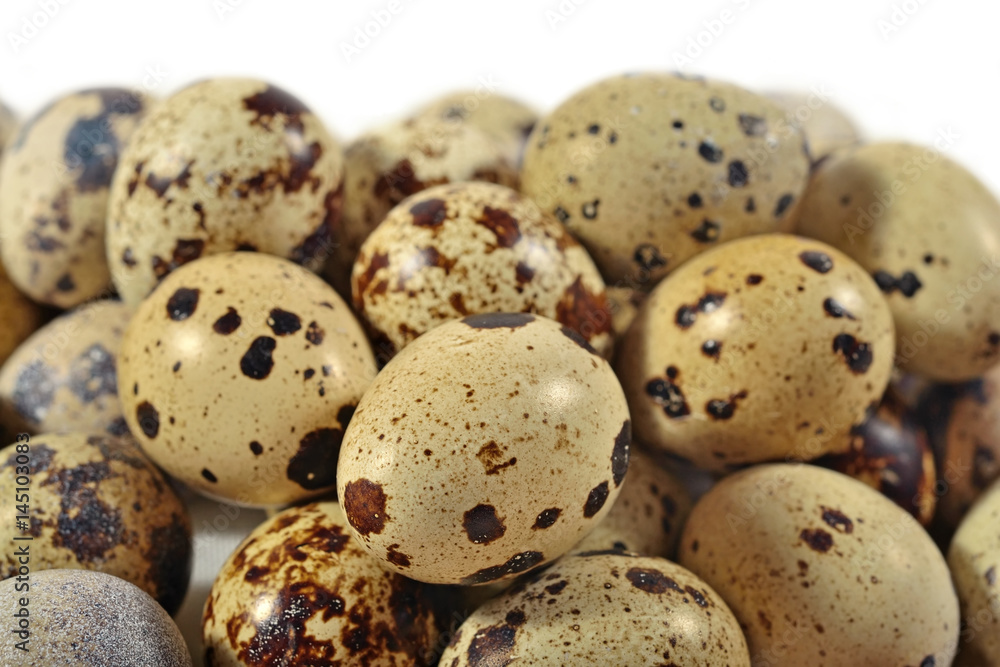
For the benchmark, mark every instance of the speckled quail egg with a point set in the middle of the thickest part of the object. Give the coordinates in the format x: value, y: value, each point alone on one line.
x: 649, y: 514
x: 299, y: 591
x: 807, y: 557
x: 224, y: 164
x: 889, y: 452
x: 488, y: 446
x: 974, y: 559
x: 63, y: 378
x: 507, y: 120
x: 78, y: 617
x: 21, y: 316
x: 648, y: 170
x: 8, y: 124
x: 768, y: 347
x: 603, y: 608
x: 54, y: 186
x: 96, y: 503
x: 963, y: 427
x: 827, y: 127
x: 388, y: 164
x: 929, y: 233
x: 468, y: 248
x: 239, y: 374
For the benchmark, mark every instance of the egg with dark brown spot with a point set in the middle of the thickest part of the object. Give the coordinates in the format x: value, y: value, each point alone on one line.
x: 468, y: 248
x: 239, y: 375
x: 649, y: 514
x: 221, y: 165
x: 487, y: 447
x: 651, y: 169
x: 806, y: 556
x: 602, y: 608
x: 64, y: 377
x: 300, y: 591
x: 54, y: 190
x: 386, y: 165
x: 889, y: 452
x: 97, y: 503
x: 927, y: 230
x: 736, y: 358
x: 78, y: 617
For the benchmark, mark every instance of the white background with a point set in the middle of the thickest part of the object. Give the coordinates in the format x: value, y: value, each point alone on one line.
x: 906, y: 69
x: 937, y: 68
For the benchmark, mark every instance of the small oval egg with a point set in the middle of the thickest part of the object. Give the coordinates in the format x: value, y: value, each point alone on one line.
x: 974, y: 559
x: 806, y: 557
x: 764, y: 348
x: 23, y: 316
x: 97, y: 503
x: 650, y: 169
x: 390, y: 163
x: 64, y: 377
x: 54, y: 186
x: 649, y: 514
x: 488, y: 446
x: 239, y: 374
x: 314, y: 597
x: 603, y: 608
x: 78, y: 617
x: 928, y: 231
x: 889, y: 452
x: 827, y: 127
x: 223, y: 164
x: 963, y: 427
x: 507, y: 120
x: 469, y: 248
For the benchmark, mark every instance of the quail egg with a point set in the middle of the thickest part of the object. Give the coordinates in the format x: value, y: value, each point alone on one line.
x: 650, y: 169
x: 54, y: 185
x: 468, y: 248
x: 224, y: 164
x: 239, y: 374
x: 488, y: 446
x: 820, y: 568
x: 827, y: 127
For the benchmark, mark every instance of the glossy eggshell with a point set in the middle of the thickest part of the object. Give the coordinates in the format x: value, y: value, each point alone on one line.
x: 78, y: 617
x: 648, y: 170
x: 300, y: 591
x: 889, y: 452
x: 469, y: 248
x: 767, y: 347
x: 827, y: 127
x: 239, y: 374
x: 54, y: 185
x: 21, y: 316
x: 974, y: 559
x: 929, y: 232
x: 649, y: 514
x: 806, y: 557
x: 963, y: 426
x: 97, y: 503
x: 488, y: 446
x: 224, y: 164
x: 390, y: 163
x: 506, y: 120
x: 603, y: 608
x: 64, y: 377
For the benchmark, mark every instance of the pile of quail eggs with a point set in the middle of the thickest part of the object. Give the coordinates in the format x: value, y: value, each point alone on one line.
x: 677, y: 373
